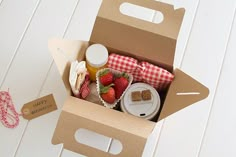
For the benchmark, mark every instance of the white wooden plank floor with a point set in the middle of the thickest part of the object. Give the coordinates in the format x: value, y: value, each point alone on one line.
x: 205, y: 50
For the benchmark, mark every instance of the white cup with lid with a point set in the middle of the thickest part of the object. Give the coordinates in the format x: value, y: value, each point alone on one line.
x: 146, y: 109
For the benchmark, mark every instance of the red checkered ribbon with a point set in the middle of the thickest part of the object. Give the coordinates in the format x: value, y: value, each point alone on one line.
x: 8, y: 115
x: 157, y: 77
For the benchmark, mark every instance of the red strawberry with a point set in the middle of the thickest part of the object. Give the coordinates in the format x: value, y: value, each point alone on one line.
x: 106, y: 77
x: 121, y: 83
x: 108, y: 93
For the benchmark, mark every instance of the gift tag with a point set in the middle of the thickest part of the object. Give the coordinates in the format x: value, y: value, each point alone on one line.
x: 39, y: 107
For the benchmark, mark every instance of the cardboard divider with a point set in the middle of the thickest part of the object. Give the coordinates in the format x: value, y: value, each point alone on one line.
x: 78, y: 113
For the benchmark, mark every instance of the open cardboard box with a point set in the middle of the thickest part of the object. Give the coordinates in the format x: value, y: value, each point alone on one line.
x: 129, y: 36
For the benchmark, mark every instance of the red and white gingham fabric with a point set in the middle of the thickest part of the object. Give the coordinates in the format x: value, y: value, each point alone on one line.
x: 122, y: 63
x: 157, y: 77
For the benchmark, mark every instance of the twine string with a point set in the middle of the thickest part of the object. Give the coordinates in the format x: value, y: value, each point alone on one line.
x: 8, y: 115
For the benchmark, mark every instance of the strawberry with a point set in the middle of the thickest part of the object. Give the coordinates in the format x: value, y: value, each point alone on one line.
x: 121, y: 83
x: 107, y: 93
x: 106, y: 77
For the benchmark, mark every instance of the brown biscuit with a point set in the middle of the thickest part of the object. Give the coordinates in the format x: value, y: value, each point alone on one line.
x: 136, y: 96
x: 146, y: 95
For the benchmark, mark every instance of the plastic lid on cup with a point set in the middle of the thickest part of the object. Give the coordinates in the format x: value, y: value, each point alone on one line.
x: 146, y: 109
x: 96, y: 55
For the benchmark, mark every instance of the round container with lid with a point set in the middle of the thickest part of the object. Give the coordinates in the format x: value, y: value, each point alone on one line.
x: 146, y: 109
x: 96, y: 59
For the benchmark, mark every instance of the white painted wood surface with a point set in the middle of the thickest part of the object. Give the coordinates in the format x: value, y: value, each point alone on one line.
x: 219, y: 137
x: 205, y: 50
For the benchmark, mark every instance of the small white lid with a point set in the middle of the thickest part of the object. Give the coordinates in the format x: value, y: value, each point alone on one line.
x: 146, y: 109
x: 96, y: 55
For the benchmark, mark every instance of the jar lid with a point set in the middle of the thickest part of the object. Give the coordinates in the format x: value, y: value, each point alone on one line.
x: 96, y: 55
x: 146, y: 109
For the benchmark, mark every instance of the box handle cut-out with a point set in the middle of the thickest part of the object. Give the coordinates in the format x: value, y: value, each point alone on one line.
x: 97, y: 141
x: 133, y: 10
x: 115, y: 11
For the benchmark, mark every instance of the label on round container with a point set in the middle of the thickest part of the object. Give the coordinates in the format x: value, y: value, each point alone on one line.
x: 144, y: 108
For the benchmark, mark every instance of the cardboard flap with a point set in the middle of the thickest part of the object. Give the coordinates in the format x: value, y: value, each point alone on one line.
x: 77, y: 113
x: 154, y: 42
x: 63, y: 52
x: 183, y: 91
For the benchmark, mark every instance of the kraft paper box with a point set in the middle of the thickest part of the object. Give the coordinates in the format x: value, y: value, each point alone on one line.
x: 133, y: 37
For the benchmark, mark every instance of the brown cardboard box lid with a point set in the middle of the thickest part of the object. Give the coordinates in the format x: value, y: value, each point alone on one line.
x: 142, y: 39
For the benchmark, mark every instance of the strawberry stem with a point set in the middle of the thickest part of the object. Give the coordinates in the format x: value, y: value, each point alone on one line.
x: 123, y: 74
x: 104, y: 72
x: 104, y: 89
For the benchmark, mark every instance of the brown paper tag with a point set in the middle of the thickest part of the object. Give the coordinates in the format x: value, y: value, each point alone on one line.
x: 39, y: 107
